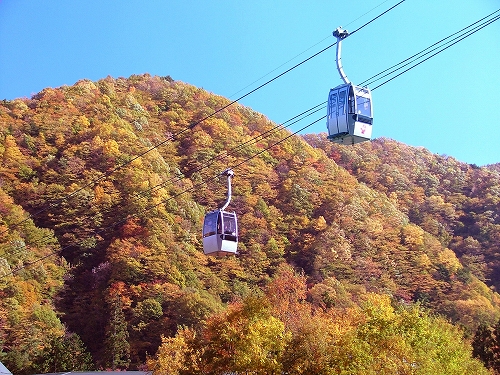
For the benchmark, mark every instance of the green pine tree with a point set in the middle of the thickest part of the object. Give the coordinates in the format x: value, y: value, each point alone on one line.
x: 117, y: 345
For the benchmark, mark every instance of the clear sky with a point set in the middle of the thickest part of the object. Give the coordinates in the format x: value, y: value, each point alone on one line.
x: 449, y: 104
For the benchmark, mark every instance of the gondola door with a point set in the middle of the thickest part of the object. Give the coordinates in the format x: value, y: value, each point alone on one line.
x: 332, y: 113
x: 342, y: 111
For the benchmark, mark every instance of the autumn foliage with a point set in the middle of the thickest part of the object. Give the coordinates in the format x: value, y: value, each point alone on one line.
x: 373, y: 259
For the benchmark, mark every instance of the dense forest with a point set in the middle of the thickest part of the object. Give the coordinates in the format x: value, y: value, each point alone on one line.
x: 377, y: 258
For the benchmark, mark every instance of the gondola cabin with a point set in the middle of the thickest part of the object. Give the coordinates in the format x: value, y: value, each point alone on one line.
x: 220, y: 233
x: 349, y: 114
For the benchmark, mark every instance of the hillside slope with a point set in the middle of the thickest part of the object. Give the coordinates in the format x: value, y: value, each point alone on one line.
x: 456, y: 202
x: 117, y: 181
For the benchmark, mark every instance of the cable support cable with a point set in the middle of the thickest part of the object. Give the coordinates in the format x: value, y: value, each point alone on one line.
x: 301, y: 53
x: 286, y: 62
x: 373, y: 19
x: 420, y: 62
x: 196, y: 185
x: 189, y: 189
x: 191, y: 126
x: 364, y: 14
x: 264, y: 135
x: 171, y: 138
x: 416, y: 56
x: 226, y: 154
x: 102, y: 230
x: 249, y: 142
x: 477, y: 29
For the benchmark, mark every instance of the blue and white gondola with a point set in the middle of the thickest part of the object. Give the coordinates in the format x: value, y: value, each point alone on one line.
x: 220, y: 228
x: 349, y: 109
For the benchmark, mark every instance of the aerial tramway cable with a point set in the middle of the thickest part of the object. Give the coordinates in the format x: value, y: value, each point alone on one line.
x: 192, y: 188
x: 301, y: 53
x: 209, y: 162
x: 197, y: 185
x: 191, y: 126
x: 441, y: 50
x: 420, y: 54
x: 28, y: 264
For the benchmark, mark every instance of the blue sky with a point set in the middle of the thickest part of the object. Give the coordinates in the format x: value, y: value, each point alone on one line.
x: 449, y: 104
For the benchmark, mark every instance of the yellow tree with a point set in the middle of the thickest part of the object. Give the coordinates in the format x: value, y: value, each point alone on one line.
x: 176, y: 355
x: 406, y: 340
x: 246, y: 338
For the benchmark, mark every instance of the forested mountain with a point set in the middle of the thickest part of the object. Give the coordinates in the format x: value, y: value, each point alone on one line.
x: 377, y: 258
x: 456, y: 202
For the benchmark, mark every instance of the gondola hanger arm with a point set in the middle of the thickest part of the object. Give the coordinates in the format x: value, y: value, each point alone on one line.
x: 229, y: 173
x: 340, y: 34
